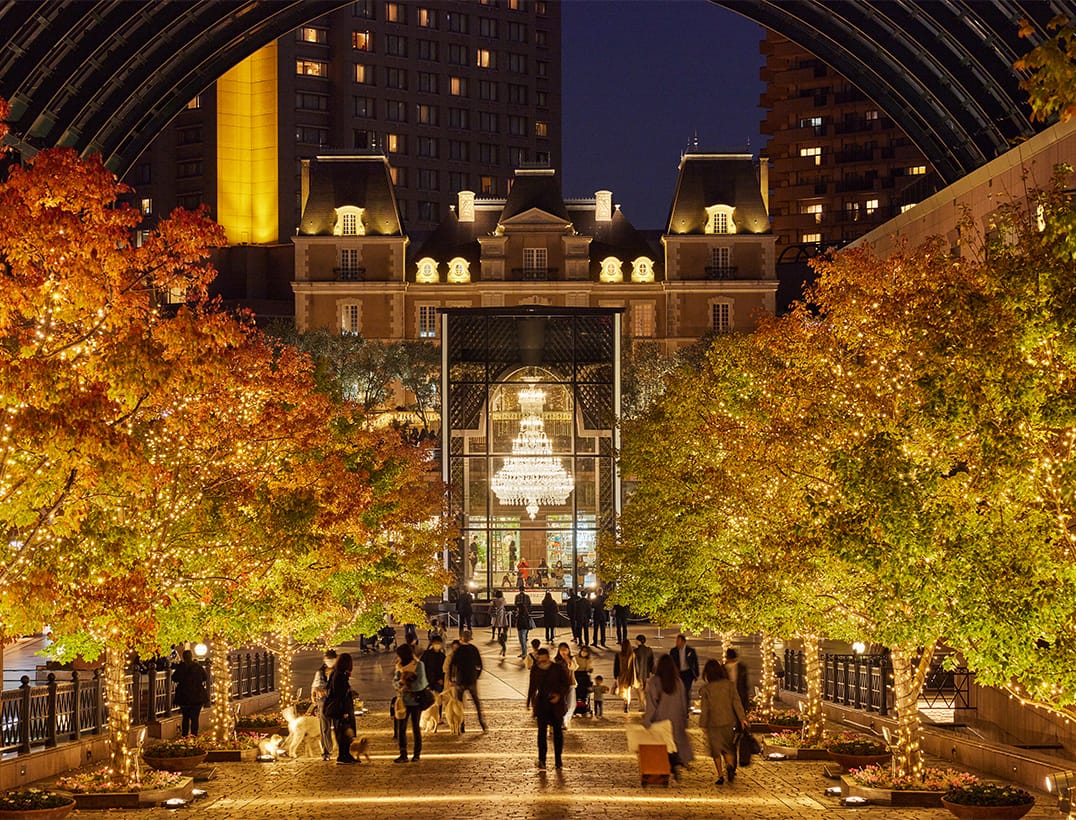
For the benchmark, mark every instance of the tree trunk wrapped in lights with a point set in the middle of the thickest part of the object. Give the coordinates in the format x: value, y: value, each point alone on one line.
x: 814, y: 720
x: 284, y: 647
x: 223, y: 715
x: 768, y: 682
x: 123, y: 760
x: 908, y: 679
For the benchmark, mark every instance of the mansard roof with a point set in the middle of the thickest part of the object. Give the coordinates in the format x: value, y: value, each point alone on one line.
x: 535, y: 188
x: 333, y: 181
x: 717, y: 179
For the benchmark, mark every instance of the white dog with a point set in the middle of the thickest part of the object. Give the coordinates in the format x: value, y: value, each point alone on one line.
x: 432, y: 716
x: 303, y: 731
x: 453, y: 712
x: 270, y: 746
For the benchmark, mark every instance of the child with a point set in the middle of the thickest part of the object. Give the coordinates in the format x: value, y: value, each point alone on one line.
x: 598, y: 690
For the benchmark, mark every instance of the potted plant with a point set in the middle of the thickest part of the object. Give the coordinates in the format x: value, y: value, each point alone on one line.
x: 35, y: 804
x: 854, y: 751
x: 988, y: 800
x: 270, y: 723
x: 791, y: 745
x: 180, y: 754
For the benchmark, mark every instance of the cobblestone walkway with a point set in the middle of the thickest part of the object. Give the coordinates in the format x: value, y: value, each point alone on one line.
x: 495, y: 776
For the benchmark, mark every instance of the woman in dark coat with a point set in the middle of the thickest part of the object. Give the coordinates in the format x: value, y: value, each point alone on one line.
x: 191, y: 692
x: 547, y: 696
x: 340, y: 706
x: 550, y: 613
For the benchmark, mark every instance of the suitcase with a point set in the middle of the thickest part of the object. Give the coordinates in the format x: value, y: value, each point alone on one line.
x: 654, y: 764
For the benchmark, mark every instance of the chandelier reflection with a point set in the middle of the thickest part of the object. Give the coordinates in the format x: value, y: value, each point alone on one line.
x: 532, y: 476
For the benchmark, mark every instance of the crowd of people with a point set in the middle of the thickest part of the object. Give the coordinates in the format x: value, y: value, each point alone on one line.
x: 561, y: 684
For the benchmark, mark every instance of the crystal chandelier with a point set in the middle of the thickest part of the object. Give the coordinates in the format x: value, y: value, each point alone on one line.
x: 532, y: 476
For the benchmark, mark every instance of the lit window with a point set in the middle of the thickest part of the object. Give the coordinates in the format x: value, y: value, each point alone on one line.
x: 719, y: 220
x: 810, y: 237
x: 457, y: 86
x: 392, y: 143
x: 145, y: 205
x: 541, y: 128
x: 362, y: 73
x: 814, y: 151
x: 721, y: 317
x: 484, y: 58
x: 394, y: 12
x: 535, y: 263
x: 814, y: 208
x: 427, y: 321
x: 872, y: 114
x: 611, y: 271
x: 427, y: 18
x: 141, y: 238
x: 195, y: 103
x: 907, y: 207
x: 349, y: 221
x: 312, y: 68
x: 427, y: 271
x: 872, y: 206
x: 487, y: 184
x: 810, y: 122
x: 309, y: 34
x: 362, y: 41
x: 642, y: 270
x: 459, y: 271
x: 350, y: 319
x: 642, y: 320
x: 916, y: 170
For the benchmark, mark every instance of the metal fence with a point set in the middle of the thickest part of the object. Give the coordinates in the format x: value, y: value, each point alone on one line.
x: 60, y: 711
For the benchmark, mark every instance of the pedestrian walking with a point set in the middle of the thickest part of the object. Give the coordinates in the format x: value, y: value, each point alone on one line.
x: 498, y: 619
x: 464, y: 670
x: 643, y: 667
x: 624, y: 671
x: 722, y: 714
x: 687, y: 664
x: 597, y: 692
x: 620, y: 622
x: 524, y: 620
x: 571, y: 608
x: 340, y: 707
x: 582, y: 614
x: 319, y: 688
x: 547, y: 696
x: 665, y: 701
x: 465, y: 609
x: 433, y: 661
x: 599, y: 617
x: 550, y: 613
x: 409, y: 678
x: 192, y: 692
x: 738, y: 675
x: 532, y: 656
x: 564, y: 659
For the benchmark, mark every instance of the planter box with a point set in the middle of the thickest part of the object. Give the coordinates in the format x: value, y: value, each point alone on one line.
x: 892, y: 797
x: 55, y: 813
x: 186, y: 763
x: 134, y: 800
x: 849, y: 762
x: 988, y: 812
x: 231, y: 755
x: 795, y: 753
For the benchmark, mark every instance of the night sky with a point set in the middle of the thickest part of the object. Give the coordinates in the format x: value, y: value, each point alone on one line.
x: 640, y: 78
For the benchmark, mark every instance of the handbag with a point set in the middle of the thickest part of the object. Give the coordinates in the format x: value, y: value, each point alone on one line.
x: 746, y: 747
x: 425, y: 698
x: 530, y: 622
x: 332, y: 708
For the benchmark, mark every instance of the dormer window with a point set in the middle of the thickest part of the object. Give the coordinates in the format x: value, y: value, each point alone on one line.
x: 642, y: 270
x: 719, y: 219
x: 611, y: 270
x: 427, y: 272
x: 349, y: 221
x: 459, y: 271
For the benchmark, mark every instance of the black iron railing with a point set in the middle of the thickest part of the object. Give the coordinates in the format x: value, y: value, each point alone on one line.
x: 64, y: 710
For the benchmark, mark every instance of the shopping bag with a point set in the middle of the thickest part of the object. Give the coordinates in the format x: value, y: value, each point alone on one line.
x: 659, y: 734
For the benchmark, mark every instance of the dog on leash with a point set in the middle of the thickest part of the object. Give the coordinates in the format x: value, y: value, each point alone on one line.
x: 303, y: 731
x: 453, y: 712
x: 429, y: 718
x: 360, y: 748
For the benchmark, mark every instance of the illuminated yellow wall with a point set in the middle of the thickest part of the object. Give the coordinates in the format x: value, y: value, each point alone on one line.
x: 247, y: 190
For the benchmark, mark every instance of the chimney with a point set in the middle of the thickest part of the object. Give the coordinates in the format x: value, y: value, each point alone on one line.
x: 764, y: 181
x: 603, y: 206
x: 466, y: 206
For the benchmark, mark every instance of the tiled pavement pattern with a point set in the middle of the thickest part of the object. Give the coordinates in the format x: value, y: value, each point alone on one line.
x: 494, y: 775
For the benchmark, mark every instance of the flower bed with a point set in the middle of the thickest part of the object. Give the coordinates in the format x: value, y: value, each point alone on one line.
x: 241, y: 748
x: 35, y: 804
x: 852, y: 743
x: 792, y: 746
x: 879, y: 785
x: 101, y: 789
x: 268, y: 722
x: 988, y: 800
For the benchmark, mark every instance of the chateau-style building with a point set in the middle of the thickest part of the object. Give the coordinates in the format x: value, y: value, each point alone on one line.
x: 711, y: 269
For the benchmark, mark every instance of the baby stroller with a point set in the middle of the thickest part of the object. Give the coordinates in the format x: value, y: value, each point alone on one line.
x: 386, y: 636
x: 582, y: 692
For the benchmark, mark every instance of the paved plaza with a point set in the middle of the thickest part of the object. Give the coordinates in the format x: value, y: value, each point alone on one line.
x: 494, y: 775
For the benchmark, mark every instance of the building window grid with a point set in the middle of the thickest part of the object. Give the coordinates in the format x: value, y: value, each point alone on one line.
x: 535, y: 263
x: 642, y: 320
x: 350, y: 316
x: 427, y: 321
x: 721, y: 317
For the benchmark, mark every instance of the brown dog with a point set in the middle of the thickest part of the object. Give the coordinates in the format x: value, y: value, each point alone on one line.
x: 360, y: 748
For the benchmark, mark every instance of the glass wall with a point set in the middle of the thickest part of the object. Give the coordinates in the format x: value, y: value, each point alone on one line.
x: 531, y: 401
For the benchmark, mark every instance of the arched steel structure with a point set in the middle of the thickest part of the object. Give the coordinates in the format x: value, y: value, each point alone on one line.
x: 941, y: 69
x: 107, y: 75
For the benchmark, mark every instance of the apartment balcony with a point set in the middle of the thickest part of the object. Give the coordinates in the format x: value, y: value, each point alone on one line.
x: 533, y: 274
x: 349, y: 274
x: 715, y: 272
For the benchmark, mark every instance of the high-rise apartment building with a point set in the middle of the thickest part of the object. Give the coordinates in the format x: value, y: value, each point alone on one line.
x: 839, y: 166
x: 456, y: 94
